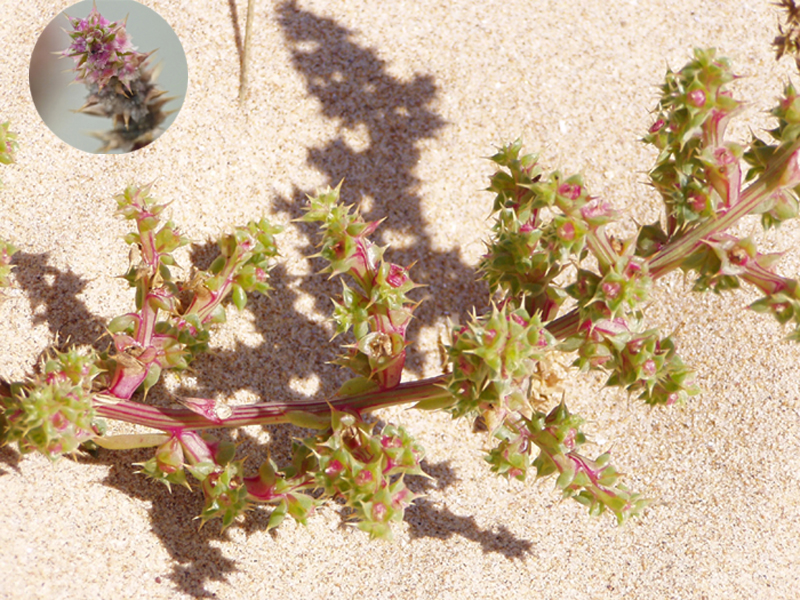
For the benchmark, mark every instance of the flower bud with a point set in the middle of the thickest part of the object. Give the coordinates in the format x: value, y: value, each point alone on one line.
x: 566, y: 231
x: 334, y: 468
x: 598, y: 212
x: 611, y: 289
x: 169, y: 456
x: 363, y: 477
x: 657, y: 126
x: 696, y: 98
x: 698, y: 202
x: 397, y: 276
x: 571, y: 191
x: 379, y: 512
x: 649, y: 367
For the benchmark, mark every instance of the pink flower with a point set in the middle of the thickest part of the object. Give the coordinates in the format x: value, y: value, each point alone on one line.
x: 611, y: 290
x: 102, y: 51
x: 570, y: 190
x: 379, y: 512
x: 388, y: 441
x: 567, y: 232
x: 397, y: 276
x: 364, y: 477
x: 723, y: 156
x: 696, y: 98
x: 649, y: 367
x: 334, y: 468
x: 519, y: 320
x: 697, y: 202
x: 597, y: 209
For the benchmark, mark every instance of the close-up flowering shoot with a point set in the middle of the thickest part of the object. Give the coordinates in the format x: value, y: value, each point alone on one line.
x: 120, y: 81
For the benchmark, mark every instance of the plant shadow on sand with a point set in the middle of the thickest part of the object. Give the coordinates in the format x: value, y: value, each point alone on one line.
x: 54, y: 295
x: 355, y: 89
x: 195, y: 550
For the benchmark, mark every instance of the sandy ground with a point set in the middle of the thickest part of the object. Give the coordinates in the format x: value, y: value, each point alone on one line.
x: 404, y: 100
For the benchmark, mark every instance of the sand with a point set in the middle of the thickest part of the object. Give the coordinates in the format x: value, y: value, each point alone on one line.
x: 404, y: 101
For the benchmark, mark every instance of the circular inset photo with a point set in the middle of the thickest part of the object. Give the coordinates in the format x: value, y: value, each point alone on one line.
x: 108, y: 76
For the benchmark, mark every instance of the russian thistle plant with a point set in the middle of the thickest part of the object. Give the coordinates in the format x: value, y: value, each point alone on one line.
x: 121, y: 83
x: 559, y: 282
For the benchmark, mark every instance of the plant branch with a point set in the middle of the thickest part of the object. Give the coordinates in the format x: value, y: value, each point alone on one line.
x: 271, y: 413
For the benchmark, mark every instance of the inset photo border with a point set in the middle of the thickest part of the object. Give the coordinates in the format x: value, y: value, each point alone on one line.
x: 58, y: 96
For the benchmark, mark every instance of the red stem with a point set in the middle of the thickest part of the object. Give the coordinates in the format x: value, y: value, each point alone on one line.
x: 269, y: 413
x: 671, y: 256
